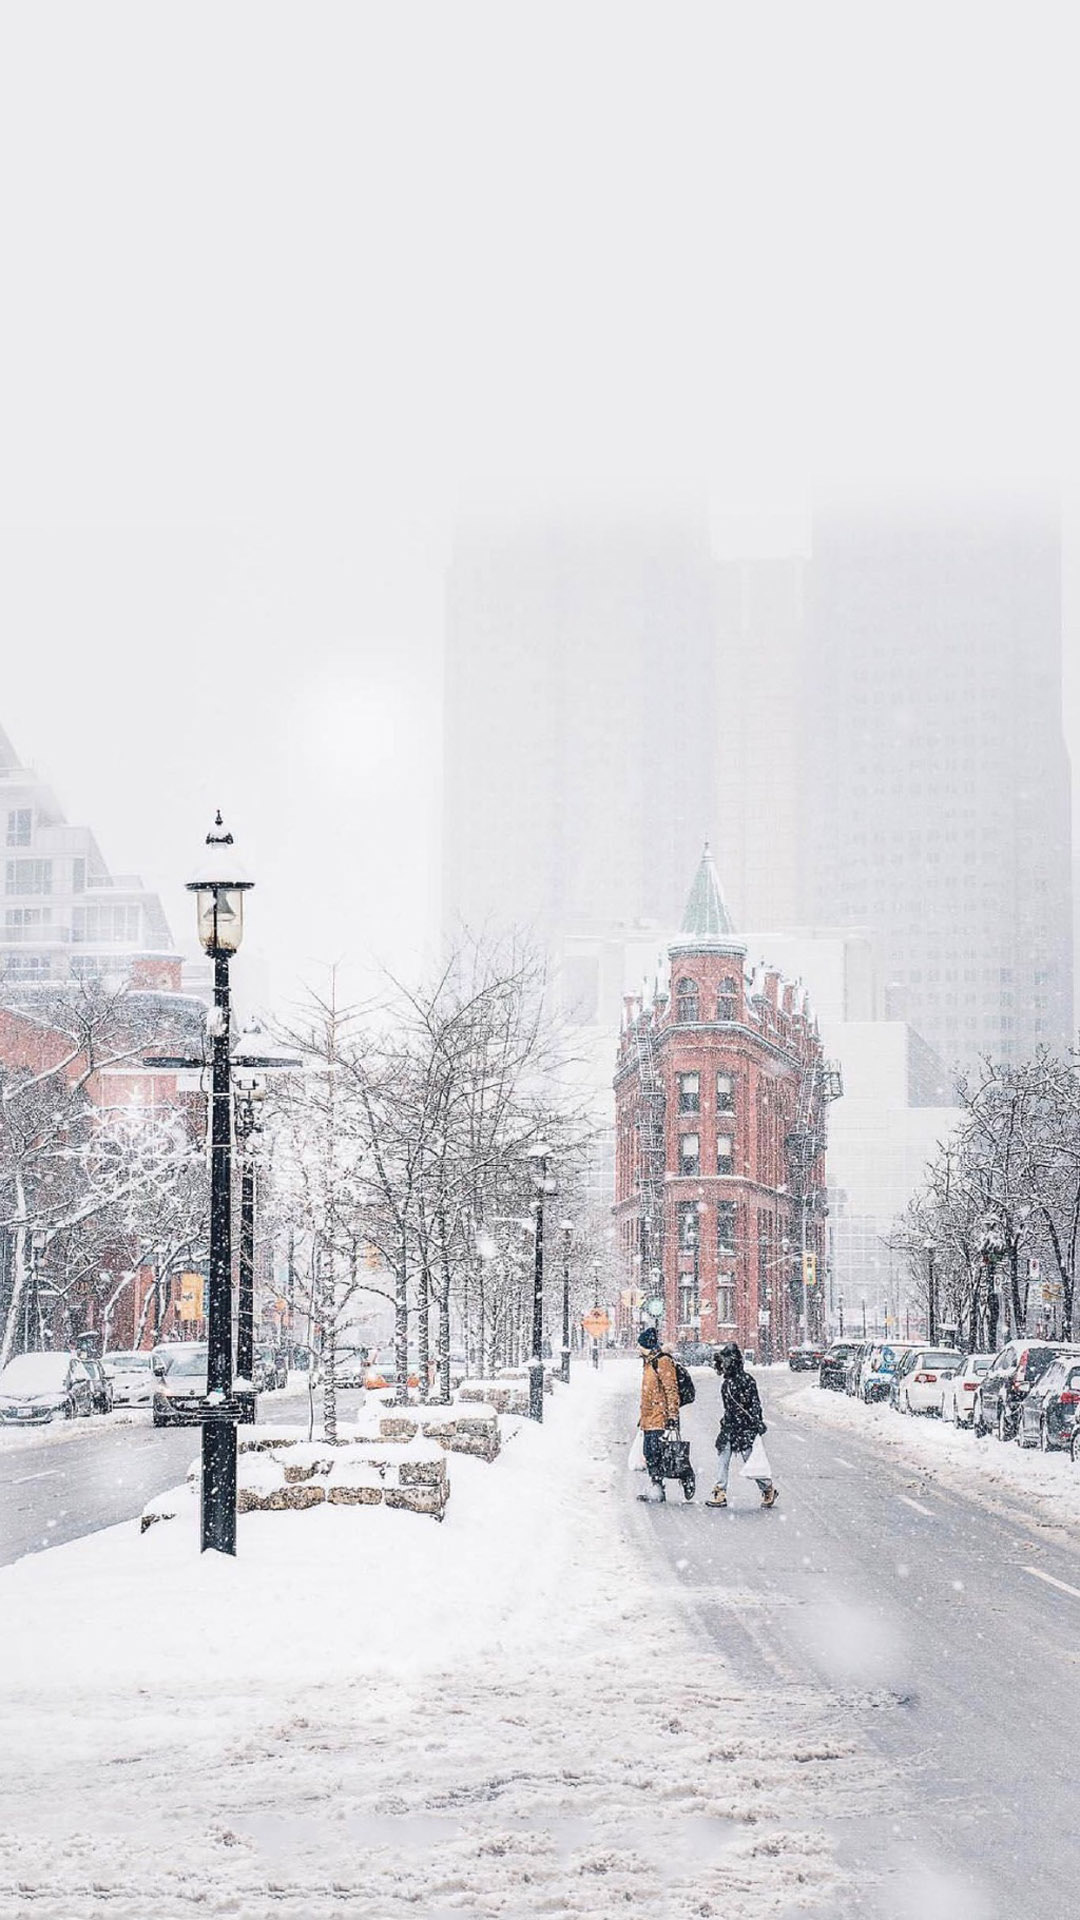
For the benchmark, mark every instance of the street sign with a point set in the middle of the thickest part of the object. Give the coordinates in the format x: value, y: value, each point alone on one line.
x: 655, y: 1306
x: 597, y: 1323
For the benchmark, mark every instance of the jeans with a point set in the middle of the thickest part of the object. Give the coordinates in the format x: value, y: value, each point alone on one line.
x: 724, y: 1452
x: 652, y: 1456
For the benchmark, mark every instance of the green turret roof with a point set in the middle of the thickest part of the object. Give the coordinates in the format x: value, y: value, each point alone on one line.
x: 707, y: 917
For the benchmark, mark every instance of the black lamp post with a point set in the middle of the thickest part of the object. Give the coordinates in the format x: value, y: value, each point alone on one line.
x: 567, y: 1229
x: 219, y: 887
x: 538, y: 1154
x: 246, y: 1123
x: 931, y: 1293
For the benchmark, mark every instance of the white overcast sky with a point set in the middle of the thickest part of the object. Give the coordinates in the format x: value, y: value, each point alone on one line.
x: 284, y: 283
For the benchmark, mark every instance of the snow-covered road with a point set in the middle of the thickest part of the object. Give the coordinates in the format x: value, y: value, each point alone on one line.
x: 559, y: 1701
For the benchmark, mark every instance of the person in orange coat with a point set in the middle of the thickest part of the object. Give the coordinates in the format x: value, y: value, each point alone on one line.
x: 659, y: 1405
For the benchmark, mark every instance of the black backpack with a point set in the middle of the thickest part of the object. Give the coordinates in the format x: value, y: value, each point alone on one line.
x: 687, y: 1389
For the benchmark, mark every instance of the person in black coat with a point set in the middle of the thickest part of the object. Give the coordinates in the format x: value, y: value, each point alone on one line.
x: 741, y: 1422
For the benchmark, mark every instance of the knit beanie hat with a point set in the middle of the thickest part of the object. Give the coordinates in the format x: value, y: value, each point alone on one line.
x: 648, y: 1338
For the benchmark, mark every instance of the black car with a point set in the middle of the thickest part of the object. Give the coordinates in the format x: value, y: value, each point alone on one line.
x: 834, y: 1364
x: 806, y: 1357
x: 1049, y: 1411
x: 1013, y: 1372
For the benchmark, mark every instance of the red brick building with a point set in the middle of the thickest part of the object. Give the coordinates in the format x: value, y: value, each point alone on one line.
x: 721, y: 1095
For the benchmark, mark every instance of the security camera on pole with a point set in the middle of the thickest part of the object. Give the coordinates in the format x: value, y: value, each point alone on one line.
x: 219, y: 887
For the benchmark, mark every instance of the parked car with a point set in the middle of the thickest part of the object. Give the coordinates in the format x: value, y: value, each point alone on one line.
x: 38, y: 1387
x: 880, y: 1367
x: 100, y: 1382
x: 833, y: 1362
x: 1050, y: 1409
x: 131, y: 1378
x: 805, y: 1358
x: 180, y: 1382
x: 1010, y: 1377
x: 382, y: 1373
x: 920, y: 1376
x: 854, y: 1366
x: 959, y: 1389
x: 694, y: 1353
x: 351, y: 1366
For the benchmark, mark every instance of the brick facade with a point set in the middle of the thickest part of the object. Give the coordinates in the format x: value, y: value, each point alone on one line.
x: 720, y: 1126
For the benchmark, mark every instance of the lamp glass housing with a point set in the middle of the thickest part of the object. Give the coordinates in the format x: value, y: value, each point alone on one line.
x: 220, y: 911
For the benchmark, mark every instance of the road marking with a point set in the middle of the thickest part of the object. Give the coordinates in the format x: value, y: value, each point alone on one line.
x: 843, y: 1463
x: 801, y: 1438
x: 917, y: 1507
x: 49, y: 1473
x: 1038, y: 1574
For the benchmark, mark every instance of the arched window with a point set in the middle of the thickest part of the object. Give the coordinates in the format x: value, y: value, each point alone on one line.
x: 727, y: 1000
x: 686, y: 1002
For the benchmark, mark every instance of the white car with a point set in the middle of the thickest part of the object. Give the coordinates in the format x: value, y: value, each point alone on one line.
x: 132, y: 1379
x: 180, y: 1382
x: 959, y: 1389
x: 924, y: 1372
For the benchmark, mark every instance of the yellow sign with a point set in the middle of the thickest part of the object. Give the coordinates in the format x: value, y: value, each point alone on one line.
x: 192, y: 1287
x: 809, y: 1269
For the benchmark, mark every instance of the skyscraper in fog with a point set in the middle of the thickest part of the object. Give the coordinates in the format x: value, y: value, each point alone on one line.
x: 936, y: 780
x: 581, y: 737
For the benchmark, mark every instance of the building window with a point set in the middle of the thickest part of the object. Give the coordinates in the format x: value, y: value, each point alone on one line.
x: 725, y: 1093
x: 28, y: 876
x: 727, y: 1000
x: 689, y: 1227
x: 20, y: 823
x: 26, y: 923
x: 689, y: 1092
x: 27, y: 966
x: 725, y: 1152
x: 686, y: 1003
x: 725, y: 1226
x: 725, y: 1299
x: 689, y: 1153
x: 688, y: 1301
x: 105, y: 926
x: 78, y: 876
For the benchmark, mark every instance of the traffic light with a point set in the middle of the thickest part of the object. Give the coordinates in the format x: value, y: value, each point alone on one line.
x: 809, y: 1269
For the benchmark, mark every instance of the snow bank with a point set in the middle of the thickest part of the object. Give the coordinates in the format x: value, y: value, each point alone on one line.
x: 363, y: 1719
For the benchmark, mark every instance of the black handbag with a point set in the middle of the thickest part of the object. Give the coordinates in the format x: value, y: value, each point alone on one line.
x: 674, y: 1455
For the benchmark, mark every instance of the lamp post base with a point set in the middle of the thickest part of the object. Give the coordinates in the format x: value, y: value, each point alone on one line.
x: 219, y: 1486
x: 536, y: 1390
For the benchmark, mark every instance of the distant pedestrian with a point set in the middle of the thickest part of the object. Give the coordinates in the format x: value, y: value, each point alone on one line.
x: 741, y: 1424
x: 659, y: 1407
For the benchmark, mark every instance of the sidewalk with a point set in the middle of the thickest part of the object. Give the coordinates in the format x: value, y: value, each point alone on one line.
x: 369, y: 1715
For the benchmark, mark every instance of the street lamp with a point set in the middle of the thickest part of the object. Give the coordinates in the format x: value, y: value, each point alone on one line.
x: 564, y: 1371
x: 931, y: 1293
x: 538, y: 1154
x: 219, y: 885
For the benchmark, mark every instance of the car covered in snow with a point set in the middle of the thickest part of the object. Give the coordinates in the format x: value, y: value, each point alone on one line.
x: 351, y: 1366
x: 959, y: 1390
x: 36, y: 1388
x: 131, y: 1377
x: 180, y: 1382
x: 1009, y: 1379
x: 833, y: 1364
x: 1049, y: 1413
x: 920, y: 1377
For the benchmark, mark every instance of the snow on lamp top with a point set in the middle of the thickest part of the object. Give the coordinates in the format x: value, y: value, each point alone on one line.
x: 219, y: 884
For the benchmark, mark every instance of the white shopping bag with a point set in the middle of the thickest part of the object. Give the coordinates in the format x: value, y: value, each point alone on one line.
x: 636, y: 1461
x: 756, y: 1465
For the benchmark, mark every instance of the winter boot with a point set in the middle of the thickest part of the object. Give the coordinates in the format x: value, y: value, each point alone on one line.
x: 770, y: 1496
x: 718, y: 1498
x: 655, y: 1492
